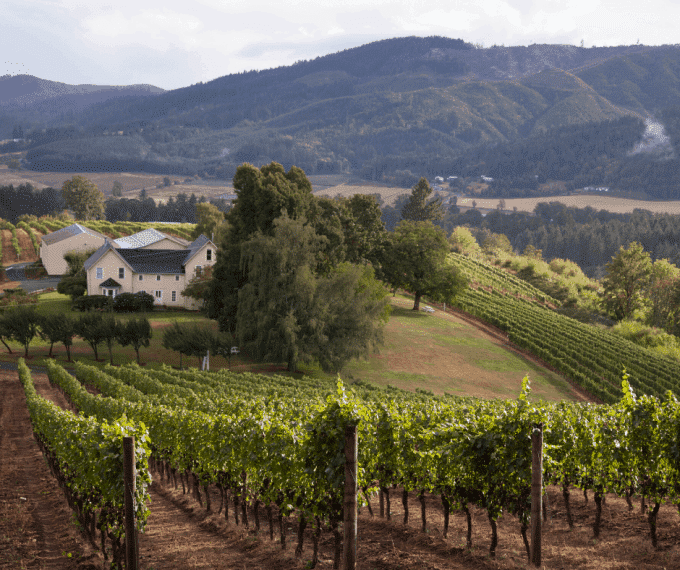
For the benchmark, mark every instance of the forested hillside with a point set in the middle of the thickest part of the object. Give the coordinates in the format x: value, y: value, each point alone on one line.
x: 394, y: 110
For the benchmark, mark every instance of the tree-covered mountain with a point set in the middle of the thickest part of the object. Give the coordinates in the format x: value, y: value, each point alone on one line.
x: 415, y: 106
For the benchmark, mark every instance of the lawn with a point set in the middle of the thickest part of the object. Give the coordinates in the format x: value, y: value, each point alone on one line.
x: 430, y: 351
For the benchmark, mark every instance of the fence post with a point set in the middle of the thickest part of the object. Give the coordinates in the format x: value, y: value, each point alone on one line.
x: 350, y: 503
x: 536, y: 492
x: 129, y: 478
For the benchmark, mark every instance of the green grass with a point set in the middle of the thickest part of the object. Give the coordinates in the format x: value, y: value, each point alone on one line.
x: 426, y: 351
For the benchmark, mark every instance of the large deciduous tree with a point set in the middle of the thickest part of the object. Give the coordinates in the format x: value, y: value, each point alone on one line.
x: 84, y: 198
x: 262, y: 195
x: 208, y: 219
x: 287, y: 313
x: 419, y: 208
x: 628, y: 276
x: 416, y: 259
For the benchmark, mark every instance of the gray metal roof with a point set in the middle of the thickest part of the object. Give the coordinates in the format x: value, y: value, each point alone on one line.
x: 144, y: 238
x: 195, y: 245
x: 70, y: 231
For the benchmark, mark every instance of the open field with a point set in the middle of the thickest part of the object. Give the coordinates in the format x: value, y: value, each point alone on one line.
x: 442, y: 353
x: 132, y: 183
x: 431, y: 351
x: 599, y: 202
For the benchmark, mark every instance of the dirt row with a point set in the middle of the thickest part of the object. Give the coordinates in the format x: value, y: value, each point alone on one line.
x: 36, y: 528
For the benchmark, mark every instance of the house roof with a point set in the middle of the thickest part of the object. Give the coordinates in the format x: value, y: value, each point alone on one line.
x: 154, y: 260
x: 195, y: 245
x: 96, y: 256
x: 146, y: 237
x: 150, y: 260
x: 110, y: 283
x: 70, y: 231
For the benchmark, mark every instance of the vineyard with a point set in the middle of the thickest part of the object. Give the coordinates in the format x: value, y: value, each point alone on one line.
x: 22, y: 242
x: 273, y: 447
x: 591, y: 357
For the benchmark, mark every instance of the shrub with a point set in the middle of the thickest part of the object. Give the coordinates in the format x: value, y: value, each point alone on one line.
x: 133, y: 302
x: 92, y: 302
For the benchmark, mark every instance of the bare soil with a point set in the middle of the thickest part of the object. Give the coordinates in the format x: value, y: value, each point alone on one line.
x: 36, y: 529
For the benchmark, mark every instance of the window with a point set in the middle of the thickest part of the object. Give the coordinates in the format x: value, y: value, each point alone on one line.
x: 141, y: 277
x: 198, y: 269
x: 100, y: 273
x: 174, y: 296
x: 176, y: 277
x: 208, y: 254
x: 159, y: 295
x: 121, y: 273
x: 158, y: 277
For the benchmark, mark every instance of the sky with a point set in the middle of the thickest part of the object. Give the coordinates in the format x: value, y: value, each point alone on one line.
x: 172, y: 44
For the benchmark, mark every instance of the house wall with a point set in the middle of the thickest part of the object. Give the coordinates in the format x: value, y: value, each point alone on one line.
x: 199, y: 258
x: 109, y: 262
x: 52, y: 255
x: 164, y: 244
x: 167, y: 284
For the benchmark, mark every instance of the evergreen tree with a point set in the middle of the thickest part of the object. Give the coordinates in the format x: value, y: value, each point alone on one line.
x: 628, y: 276
x: 418, y: 209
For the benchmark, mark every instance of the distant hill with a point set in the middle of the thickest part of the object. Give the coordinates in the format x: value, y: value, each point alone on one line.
x: 26, y: 91
x: 390, y: 110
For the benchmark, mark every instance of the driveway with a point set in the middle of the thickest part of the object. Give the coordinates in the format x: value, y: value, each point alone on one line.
x: 16, y: 273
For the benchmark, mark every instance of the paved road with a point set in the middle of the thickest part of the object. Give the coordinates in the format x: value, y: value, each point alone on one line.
x: 16, y: 273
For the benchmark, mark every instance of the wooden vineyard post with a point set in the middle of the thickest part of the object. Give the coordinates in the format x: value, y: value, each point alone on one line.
x: 350, y: 503
x: 536, y: 492
x: 131, y: 552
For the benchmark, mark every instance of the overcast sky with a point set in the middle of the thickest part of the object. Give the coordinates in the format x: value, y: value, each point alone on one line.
x: 173, y: 44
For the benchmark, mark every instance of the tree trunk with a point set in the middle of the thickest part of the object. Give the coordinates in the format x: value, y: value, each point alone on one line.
x: 416, y: 303
x: 386, y: 495
x: 423, y: 514
x: 368, y: 503
x: 466, y: 510
x: 270, y: 518
x: 316, y: 535
x: 282, y: 531
x: 494, y: 537
x: 302, y: 524
x: 337, y: 535
x: 523, y: 529
x: 651, y: 518
x: 598, y: 514
x: 447, y: 510
x: 404, y: 501
x: 567, y: 505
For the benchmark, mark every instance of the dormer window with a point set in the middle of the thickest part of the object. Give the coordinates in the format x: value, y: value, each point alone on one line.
x: 121, y: 273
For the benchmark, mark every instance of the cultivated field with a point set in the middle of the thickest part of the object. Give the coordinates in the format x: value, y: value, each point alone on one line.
x: 609, y: 203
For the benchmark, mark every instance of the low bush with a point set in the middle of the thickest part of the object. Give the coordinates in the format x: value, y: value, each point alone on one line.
x: 92, y: 303
x: 133, y: 302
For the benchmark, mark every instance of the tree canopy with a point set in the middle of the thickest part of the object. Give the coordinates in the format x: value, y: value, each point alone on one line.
x: 288, y: 313
x: 628, y: 276
x: 418, y: 208
x: 416, y: 259
x: 84, y: 198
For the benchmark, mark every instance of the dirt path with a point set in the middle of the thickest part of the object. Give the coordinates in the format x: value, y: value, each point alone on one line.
x: 35, y: 520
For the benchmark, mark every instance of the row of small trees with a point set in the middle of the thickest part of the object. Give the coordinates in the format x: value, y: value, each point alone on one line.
x: 23, y: 324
